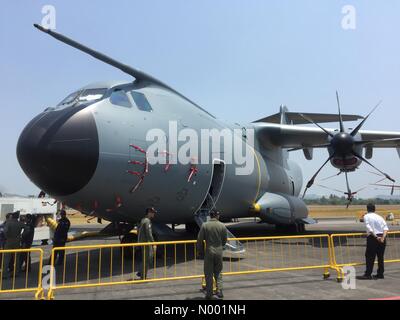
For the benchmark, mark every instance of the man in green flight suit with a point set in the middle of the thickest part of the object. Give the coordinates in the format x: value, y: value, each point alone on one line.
x: 214, y: 233
x: 12, y: 231
x: 145, y: 235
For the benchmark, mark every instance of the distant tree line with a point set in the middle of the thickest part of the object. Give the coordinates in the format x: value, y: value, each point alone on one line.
x: 335, y: 200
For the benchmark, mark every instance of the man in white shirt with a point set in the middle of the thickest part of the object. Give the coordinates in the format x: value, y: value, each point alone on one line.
x: 376, y: 243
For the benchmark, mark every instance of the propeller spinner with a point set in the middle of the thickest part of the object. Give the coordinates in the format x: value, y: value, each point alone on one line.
x: 345, y: 149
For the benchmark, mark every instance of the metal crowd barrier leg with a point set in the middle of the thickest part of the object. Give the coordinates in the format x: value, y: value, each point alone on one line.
x: 15, y: 280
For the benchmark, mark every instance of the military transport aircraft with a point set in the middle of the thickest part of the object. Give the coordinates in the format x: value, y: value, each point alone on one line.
x: 90, y: 153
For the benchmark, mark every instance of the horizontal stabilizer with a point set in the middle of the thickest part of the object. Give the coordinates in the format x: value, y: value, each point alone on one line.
x: 296, y: 118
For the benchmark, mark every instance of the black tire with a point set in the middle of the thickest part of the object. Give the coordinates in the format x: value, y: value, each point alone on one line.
x: 290, y: 228
x: 128, y: 251
x: 192, y: 228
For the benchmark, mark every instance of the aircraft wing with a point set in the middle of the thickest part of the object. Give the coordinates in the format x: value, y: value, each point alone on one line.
x: 299, y: 137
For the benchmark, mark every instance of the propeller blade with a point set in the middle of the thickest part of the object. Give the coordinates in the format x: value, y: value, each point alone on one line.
x: 311, y: 182
x: 386, y: 185
x: 380, y: 180
x: 361, y: 189
x: 332, y: 189
x: 377, y: 174
x: 340, y: 114
x: 356, y: 129
x: 369, y: 163
x: 311, y: 121
x: 330, y: 177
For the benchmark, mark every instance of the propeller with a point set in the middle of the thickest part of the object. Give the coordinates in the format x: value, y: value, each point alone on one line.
x: 343, y: 145
x: 391, y: 186
x: 340, y: 114
x: 332, y: 176
x: 350, y: 194
x: 311, y: 182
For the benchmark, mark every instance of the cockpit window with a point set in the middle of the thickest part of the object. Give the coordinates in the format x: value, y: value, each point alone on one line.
x: 119, y: 98
x: 69, y: 99
x: 88, y: 95
x: 92, y: 94
x: 141, y: 101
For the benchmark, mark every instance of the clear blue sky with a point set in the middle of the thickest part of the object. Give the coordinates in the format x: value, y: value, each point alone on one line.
x: 238, y: 59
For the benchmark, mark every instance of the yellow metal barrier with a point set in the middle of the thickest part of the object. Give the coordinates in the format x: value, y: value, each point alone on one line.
x: 15, y: 280
x: 289, y: 253
x: 349, y: 249
x: 117, y: 264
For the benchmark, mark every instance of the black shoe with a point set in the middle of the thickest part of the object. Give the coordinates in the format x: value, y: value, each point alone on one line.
x: 378, y: 276
x: 220, y: 294
x: 364, y: 277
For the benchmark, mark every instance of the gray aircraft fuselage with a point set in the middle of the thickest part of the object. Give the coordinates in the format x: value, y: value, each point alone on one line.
x: 80, y: 154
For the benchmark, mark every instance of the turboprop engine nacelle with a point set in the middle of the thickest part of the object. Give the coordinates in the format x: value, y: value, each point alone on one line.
x: 281, y: 209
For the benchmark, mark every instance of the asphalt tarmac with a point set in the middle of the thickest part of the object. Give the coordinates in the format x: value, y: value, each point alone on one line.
x: 261, y: 255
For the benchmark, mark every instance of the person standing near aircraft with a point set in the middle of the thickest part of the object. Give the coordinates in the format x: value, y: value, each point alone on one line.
x: 145, y: 234
x: 3, y: 239
x: 2, y: 235
x: 26, y: 241
x: 376, y: 243
x: 12, y: 232
x: 60, y: 237
x: 215, y: 235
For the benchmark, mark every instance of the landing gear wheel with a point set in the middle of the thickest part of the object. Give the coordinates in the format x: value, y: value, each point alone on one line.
x: 326, y: 276
x: 192, y: 228
x: 286, y: 228
x: 291, y: 228
x: 128, y: 251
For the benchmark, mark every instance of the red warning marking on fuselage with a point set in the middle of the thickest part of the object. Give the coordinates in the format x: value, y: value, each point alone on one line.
x: 192, y: 171
x: 141, y: 174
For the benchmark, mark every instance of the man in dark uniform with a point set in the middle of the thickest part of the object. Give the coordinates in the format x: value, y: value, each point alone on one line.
x: 60, y: 237
x: 145, y: 234
x: 12, y: 232
x: 215, y: 235
x: 2, y: 235
x: 26, y: 241
x: 3, y: 238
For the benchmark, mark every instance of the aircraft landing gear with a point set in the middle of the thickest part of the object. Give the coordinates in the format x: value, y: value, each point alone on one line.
x: 301, y: 228
x: 291, y: 228
x: 128, y: 251
x: 192, y: 228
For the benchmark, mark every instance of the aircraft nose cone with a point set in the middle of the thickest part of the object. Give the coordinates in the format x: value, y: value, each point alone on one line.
x: 59, y: 150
